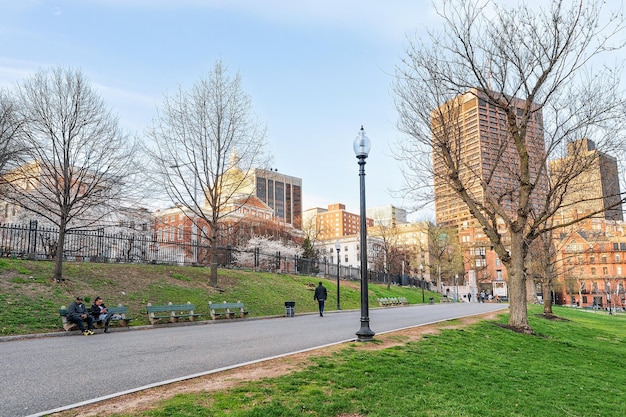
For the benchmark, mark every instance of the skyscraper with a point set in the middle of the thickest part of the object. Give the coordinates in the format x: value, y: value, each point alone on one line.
x: 283, y: 193
x: 477, y: 136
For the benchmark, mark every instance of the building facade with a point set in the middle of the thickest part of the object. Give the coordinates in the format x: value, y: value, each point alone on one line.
x: 334, y: 222
x: 591, y: 265
x: 282, y: 193
x: 596, y: 189
x: 387, y: 215
x: 476, y: 134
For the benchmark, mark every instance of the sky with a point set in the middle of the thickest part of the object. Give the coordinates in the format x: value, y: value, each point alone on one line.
x: 315, y: 70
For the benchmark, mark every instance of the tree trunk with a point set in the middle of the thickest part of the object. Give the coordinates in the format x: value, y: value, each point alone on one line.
x: 518, y: 311
x: 531, y: 290
x: 58, y: 261
x: 213, y: 256
x: 546, y: 290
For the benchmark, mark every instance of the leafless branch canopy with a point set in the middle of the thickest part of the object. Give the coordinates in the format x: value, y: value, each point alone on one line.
x: 207, y: 142
x: 536, y: 71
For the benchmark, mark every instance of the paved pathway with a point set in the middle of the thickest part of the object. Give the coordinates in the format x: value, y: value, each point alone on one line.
x: 49, y: 373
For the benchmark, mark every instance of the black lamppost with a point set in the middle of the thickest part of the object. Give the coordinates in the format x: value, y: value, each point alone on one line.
x: 362, y: 146
x: 422, y: 276
x: 337, y: 247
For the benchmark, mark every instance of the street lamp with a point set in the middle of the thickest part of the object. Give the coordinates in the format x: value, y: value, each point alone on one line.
x: 337, y: 247
x: 422, y: 276
x: 194, y: 225
x: 362, y: 147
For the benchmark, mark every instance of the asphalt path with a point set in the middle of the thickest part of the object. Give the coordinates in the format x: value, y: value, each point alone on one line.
x: 46, y: 374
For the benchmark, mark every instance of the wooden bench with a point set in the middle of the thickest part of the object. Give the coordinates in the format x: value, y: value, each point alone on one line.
x: 119, y: 316
x: 445, y: 299
x: 172, y: 312
x: 228, y: 310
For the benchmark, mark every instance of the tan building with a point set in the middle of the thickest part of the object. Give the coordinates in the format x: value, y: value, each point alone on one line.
x: 594, y: 190
x: 334, y: 222
x: 486, y: 157
x: 485, y: 153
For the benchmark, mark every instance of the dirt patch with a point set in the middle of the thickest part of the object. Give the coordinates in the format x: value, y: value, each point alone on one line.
x: 146, y: 400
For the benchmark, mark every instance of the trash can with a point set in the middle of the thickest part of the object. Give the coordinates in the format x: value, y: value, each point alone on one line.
x: 290, y: 308
x: 431, y: 300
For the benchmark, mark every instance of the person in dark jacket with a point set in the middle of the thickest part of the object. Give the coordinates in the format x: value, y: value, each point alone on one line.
x: 77, y: 313
x: 320, y: 296
x: 101, y: 313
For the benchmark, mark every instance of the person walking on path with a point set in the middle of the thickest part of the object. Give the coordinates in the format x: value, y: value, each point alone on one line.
x: 100, y: 312
x: 320, y: 296
x: 77, y: 313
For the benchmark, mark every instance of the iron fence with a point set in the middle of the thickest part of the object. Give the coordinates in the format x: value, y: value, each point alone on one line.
x: 32, y: 241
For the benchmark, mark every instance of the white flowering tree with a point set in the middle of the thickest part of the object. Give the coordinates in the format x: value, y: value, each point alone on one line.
x: 261, y: 247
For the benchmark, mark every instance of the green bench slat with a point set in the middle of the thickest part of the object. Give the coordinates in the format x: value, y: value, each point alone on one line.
x: 176, y: 311
x: 227, y: 309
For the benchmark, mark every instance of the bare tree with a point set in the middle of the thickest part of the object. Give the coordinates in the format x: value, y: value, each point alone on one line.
x: 532, y: 69
x: 208, y: 140
x: 11, y: 125
x: 444, y: 251
x: 78, y: 161
x: 390, y: 247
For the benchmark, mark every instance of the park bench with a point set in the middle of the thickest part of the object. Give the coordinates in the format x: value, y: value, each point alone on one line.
x: 445, y: 299
x: 228, y: 310
x: 119, y: 316
x: 383, y: 302
x: 171, y: 312
x: 403, y: 301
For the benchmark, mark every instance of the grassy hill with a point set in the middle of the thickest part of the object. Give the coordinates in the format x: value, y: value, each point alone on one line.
x: 30, y: 301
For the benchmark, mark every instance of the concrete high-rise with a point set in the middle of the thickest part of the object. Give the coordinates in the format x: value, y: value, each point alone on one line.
x: 597, y: 189
x: 476, y: 133
x: 283, y: 193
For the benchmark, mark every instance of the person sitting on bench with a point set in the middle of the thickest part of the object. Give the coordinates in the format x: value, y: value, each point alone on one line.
x: 100, y: 312
x: 77, y: 313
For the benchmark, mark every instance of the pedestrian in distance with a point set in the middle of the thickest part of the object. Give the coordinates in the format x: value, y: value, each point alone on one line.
x: 320, y: 296
x: 77, y: 313
x: 100, y: 312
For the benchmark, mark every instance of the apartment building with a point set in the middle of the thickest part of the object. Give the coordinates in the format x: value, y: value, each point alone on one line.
x: 477, y: 135
x: 334, y: 222
x: 591, y: 264
x: 486, y: 156
x: 596, y: 189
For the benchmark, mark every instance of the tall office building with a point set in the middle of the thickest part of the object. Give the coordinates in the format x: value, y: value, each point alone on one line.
x: 283, y: 193
x: 595, y: 189
x: 485, y: 153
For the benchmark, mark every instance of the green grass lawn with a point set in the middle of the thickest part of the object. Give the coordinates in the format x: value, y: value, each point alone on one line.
x: 572, y: 367
x: 30, y: 301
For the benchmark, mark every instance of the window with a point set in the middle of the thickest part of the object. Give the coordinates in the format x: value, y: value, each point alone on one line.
x: 618, y: 270
x: 605, y: 270
x: 617, y: 257
x: 346, y: 258
x: 593, y: 270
